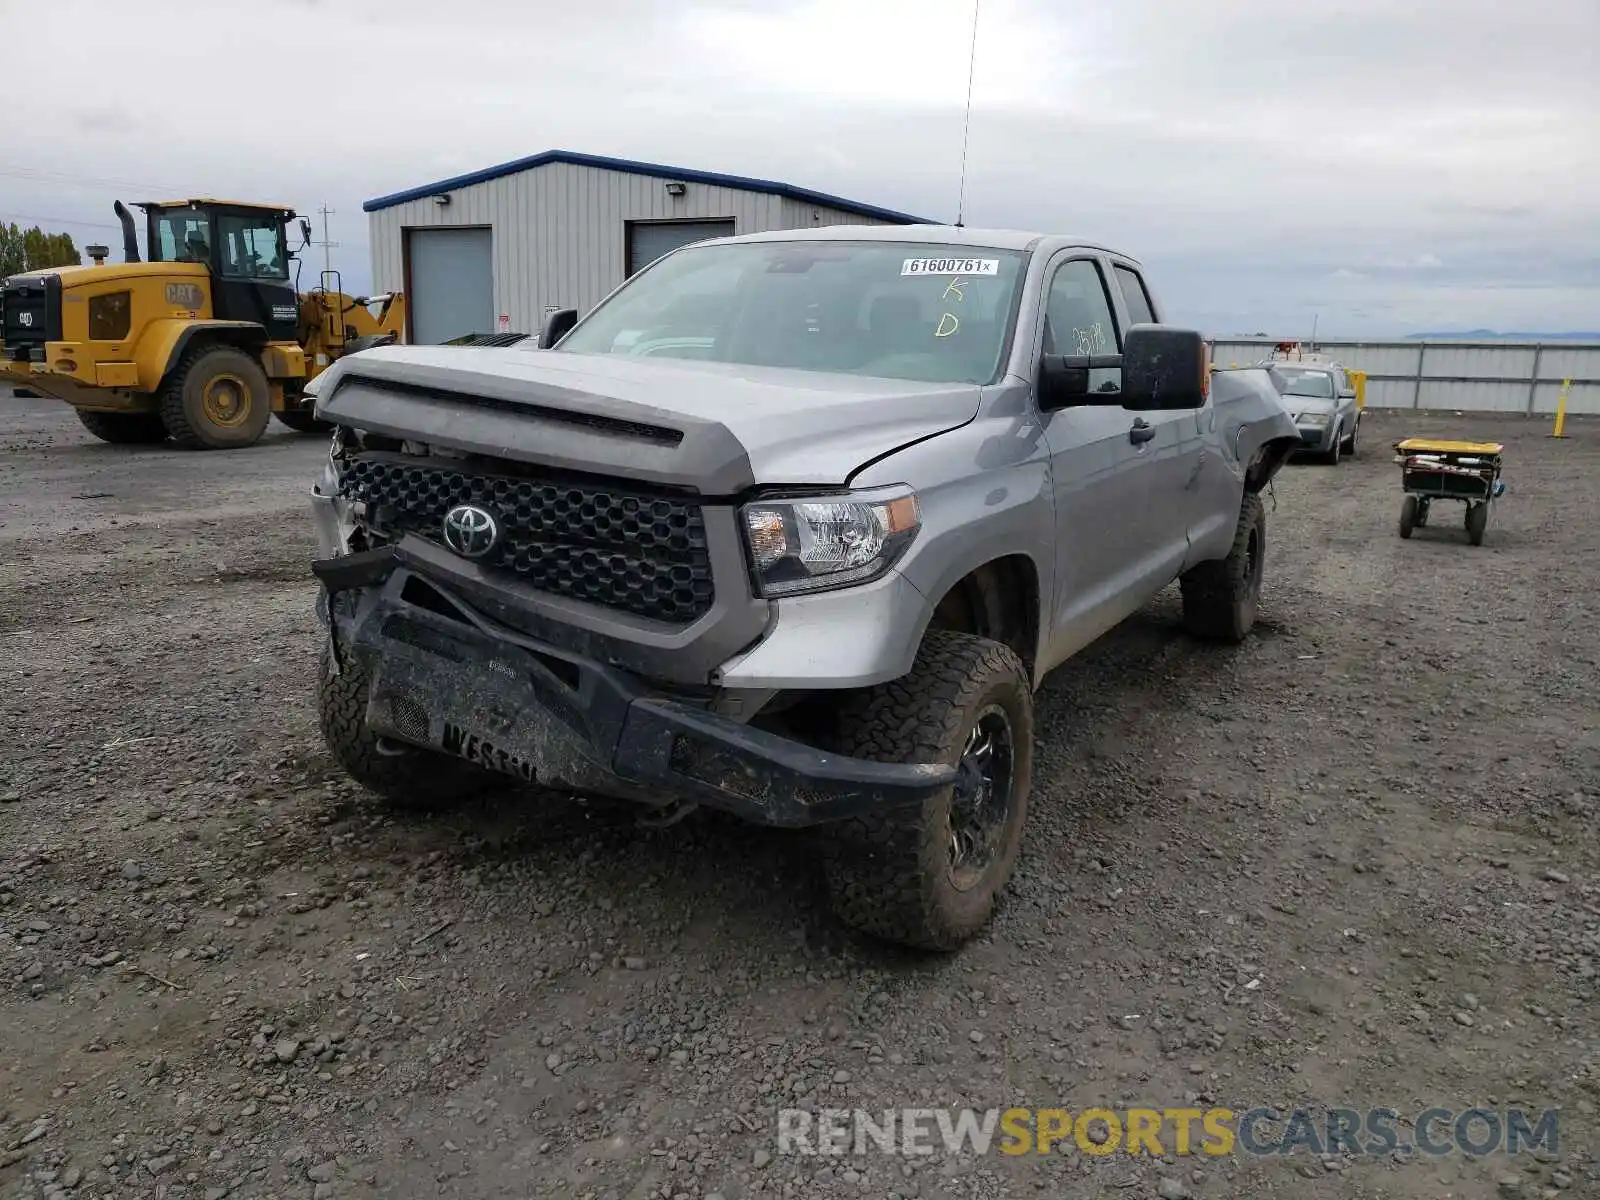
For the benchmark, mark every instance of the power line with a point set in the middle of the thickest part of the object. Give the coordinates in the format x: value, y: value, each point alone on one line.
x: 966, y: 123
x: 47, y: 175
x: 57, y: 221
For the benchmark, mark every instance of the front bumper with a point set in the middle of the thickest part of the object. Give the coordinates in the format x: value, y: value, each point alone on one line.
x: 447, y: 678
x: 1316, y: 437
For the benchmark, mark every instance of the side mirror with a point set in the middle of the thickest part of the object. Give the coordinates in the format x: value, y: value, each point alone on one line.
x: 1064, y: 382
x: 1347, y: 394
x: 305, y: 233
x: 1163, y: 369
x: 556, y: 327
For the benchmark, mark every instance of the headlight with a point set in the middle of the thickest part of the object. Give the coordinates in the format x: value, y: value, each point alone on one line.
x: 1314, y: 418
x: 829, y: 542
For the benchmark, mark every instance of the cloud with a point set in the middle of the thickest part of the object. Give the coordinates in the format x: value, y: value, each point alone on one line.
x: 1446, y: 155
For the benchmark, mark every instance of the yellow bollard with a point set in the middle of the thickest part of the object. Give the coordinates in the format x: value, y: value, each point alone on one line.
x: 1359, y: 380
x: 1561, y: 408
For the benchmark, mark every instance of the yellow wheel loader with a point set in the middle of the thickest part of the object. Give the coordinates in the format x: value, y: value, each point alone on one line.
x: 203, y: 343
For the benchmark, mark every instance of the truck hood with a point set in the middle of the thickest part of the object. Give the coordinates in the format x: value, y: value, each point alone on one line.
x: 1309, y: 404
x: 716, y: 427
x: 90, y: 273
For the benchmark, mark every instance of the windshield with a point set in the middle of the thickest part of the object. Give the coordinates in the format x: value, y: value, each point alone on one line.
x: 900, y: 310
x: 1318, y: 384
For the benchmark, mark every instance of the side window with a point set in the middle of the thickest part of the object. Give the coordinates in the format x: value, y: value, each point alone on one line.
x: 1078, y: 320
x: 1135, y: 297
x: 182, y: 238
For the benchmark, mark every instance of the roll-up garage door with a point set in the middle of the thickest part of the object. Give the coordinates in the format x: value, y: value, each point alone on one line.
x: 452, y: 283
x: 649, y: 240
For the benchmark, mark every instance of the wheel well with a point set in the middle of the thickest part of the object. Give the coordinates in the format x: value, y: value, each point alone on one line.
x: 1269, y: 458
x: 248, y: 339
x: 1000, y: 601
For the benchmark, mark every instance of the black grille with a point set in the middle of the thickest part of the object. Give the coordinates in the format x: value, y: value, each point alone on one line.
x: 596, y: 542
x: 30, y: 315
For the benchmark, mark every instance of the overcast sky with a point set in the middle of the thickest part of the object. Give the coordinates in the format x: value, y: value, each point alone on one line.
x: 1385, y: 167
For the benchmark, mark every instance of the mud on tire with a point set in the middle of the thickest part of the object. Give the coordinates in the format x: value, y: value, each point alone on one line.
x: 402, y: 778
x: 217, y: 399
x: 1220, y: 597
x: 896, y: 873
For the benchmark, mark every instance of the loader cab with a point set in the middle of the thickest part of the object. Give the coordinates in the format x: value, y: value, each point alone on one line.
x: 244, y: 248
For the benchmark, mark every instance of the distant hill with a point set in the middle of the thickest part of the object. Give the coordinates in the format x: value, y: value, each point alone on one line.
x: 1490, y: 335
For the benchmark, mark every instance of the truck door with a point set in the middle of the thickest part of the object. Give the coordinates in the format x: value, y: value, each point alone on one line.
x: 252, y: 273
x: 1114, y: 474
x: 1189, y: 472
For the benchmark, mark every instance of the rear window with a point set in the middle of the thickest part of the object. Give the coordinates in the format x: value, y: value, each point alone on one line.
x: 1135, y: 297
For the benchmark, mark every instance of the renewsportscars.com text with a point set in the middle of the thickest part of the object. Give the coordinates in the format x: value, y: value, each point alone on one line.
x: 1161, y: 1131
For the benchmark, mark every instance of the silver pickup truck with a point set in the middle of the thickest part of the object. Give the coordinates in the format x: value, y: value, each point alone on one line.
x: 792, y: 526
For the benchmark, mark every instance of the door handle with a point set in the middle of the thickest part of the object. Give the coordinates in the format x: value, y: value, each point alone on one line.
x: 1141, y: 432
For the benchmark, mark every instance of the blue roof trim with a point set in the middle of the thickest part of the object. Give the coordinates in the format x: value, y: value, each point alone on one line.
x: 631, y: 167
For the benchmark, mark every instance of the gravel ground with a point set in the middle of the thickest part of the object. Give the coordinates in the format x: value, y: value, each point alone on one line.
x: 1350, y: 862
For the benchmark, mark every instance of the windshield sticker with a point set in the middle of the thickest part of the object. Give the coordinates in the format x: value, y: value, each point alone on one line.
x: 950, y: 266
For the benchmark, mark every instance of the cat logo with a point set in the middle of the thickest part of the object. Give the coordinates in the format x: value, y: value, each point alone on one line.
x: 185, y: 295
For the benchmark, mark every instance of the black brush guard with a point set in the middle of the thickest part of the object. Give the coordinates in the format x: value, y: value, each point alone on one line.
x: 448, y: 679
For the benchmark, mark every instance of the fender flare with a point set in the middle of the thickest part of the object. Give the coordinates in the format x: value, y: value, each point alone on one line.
x: 165, y: 342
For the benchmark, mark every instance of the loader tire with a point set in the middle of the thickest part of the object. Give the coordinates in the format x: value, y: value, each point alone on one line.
x: 928, y: 875
x: 1477, y: 522
x: 401, y: 777
x: 217, y: 399
x: 1220, y: 597
x: 304, y: 420
x: 125, y: 429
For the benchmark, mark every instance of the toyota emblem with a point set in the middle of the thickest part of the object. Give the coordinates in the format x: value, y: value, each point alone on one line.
x: 471, y: 531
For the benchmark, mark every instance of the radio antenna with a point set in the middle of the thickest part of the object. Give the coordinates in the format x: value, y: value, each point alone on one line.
x: 966, y: 125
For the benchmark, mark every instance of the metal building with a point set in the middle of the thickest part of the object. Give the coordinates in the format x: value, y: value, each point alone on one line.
x: 500, y: 248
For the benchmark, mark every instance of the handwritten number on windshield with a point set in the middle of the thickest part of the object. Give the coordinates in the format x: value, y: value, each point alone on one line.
x: 948, y: 321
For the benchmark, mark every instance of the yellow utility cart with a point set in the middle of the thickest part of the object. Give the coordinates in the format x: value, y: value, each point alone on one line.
x: 1433, y: 469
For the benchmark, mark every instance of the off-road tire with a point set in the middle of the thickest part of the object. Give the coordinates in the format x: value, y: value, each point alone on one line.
x: 1409, y: 508
x: 1477, y: 522
x: 1350, y: 442
x: 888, y: 871
x: 1220, y: 597
x: 411, y: 779
x: 304, y: 420
x: 1332, y: 454
x: 184, y: 405
x: 1424, y: 507
x: 125, y: 429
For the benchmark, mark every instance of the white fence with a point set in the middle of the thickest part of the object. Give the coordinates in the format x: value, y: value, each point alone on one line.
x: 1519, y: 377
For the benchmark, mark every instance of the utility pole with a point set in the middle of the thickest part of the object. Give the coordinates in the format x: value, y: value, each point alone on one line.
x: 327, y: 246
